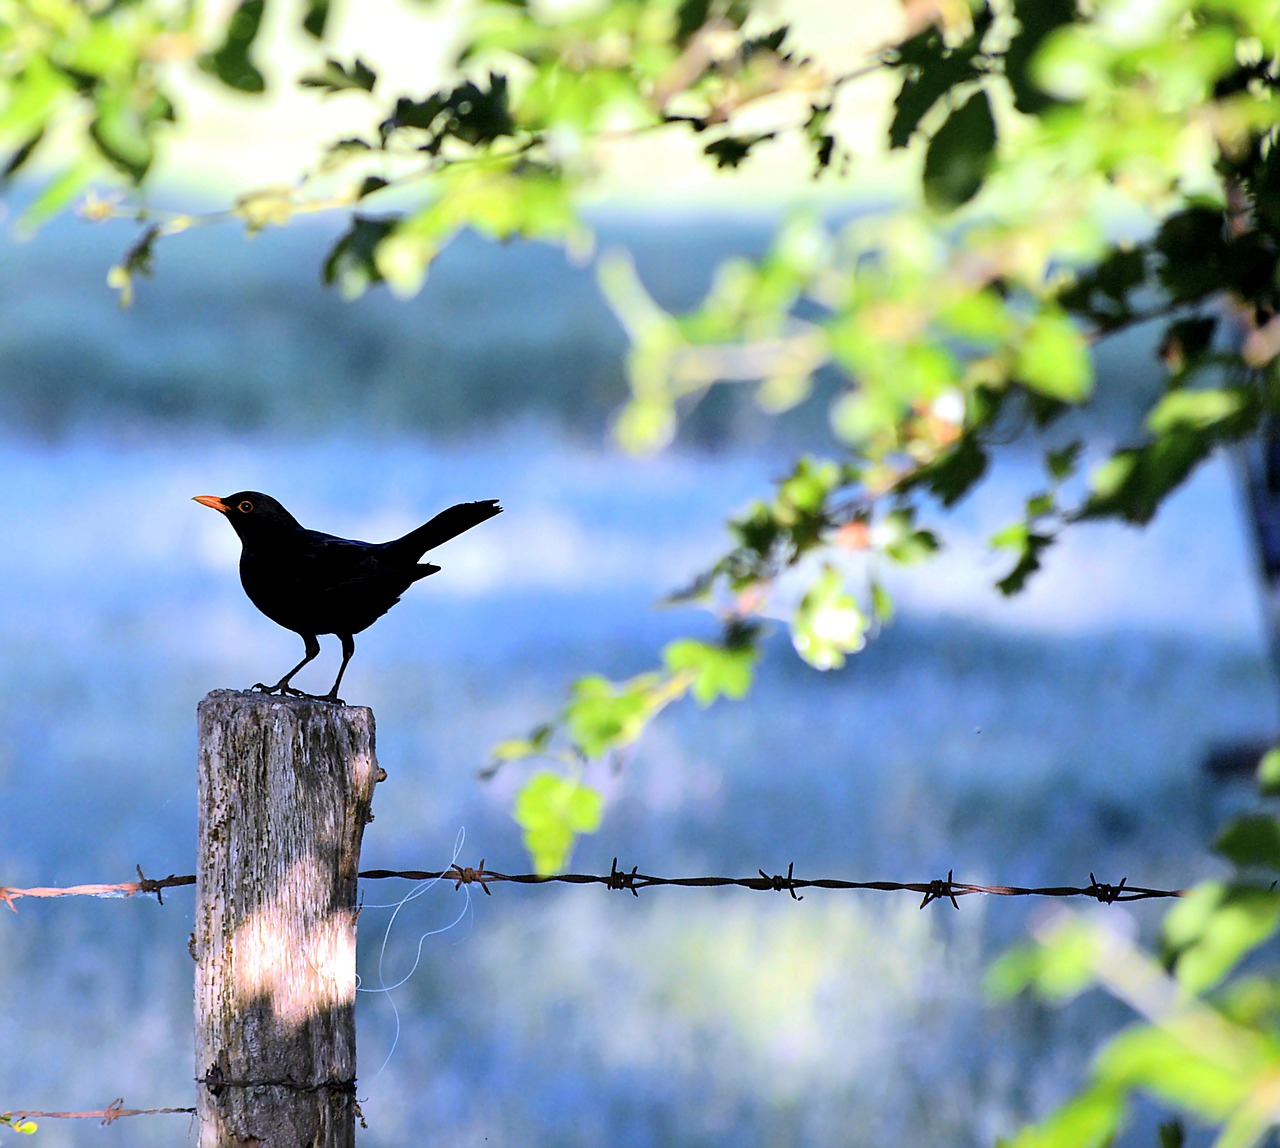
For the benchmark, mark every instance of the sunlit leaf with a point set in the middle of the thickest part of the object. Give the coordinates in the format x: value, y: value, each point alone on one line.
x: 1168, y: 1061
x: 828, y: 625
x: 1090, y: 1119
x: 1269, y: 773
x: 717, y: 671
x: 1194, y: 410
x: 1053, y: 358
x: 554, y: 811
x: 602, y: 716
x: 1208, y: 932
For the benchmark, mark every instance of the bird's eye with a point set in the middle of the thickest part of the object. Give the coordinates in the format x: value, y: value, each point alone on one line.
x: 245, y: 506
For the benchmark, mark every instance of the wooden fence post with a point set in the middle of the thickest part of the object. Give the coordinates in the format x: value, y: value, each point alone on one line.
x: 285, y: 788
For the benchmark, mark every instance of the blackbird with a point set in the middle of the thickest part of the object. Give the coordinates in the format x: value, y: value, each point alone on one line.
x: 314, y: 583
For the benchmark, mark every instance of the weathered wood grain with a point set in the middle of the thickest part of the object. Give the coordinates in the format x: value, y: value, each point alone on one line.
x: 285, y: 787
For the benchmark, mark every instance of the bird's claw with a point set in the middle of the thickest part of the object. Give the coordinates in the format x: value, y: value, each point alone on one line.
x: 279, y: 688
x: 293, y: 692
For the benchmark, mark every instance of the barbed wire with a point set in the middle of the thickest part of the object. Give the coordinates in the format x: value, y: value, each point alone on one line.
x: 632, y: 881
x: 113, y: 1111
x: 617, y: 879
x: 144, y: 884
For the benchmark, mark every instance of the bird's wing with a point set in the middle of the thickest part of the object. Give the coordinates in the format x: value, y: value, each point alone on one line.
x: 338, y: 565
x: 331, y: 564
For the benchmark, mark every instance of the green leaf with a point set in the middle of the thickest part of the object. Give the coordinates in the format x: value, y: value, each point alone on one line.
x: 959, y: 155
x: 59, y: 191
x: 1101, y: 294
x: 1030, y: 545
x: 881, y: 603
x: 122, y: 128
x: 473, y: 114
x: 1208, y: 932
x: 231, y: 62
x: 1269, y: 773
x: 137, y: 261
x: 932, y: 70
x: 718, y: 671
x: 338, y: 77
x: 1252, y: 840
x: 1053, y: 358
x: 1187, y: 340
x: 602, y: 716
x: 19, y: 156
x: 518, y: 748
x: 1037, y: 18
x: 730, y: 151
x: 1059, y: 967
x: 1166, y: 1062
x: 690, y: 17
x: 1089, y: 1120
x: 1133, y: 482
x: 822, y: 141
x: 553, y: 811
x: 1194, y: 253
x: 828, y: 624
x: 902, y: 541
x: 805, y: 492
x: 953, y: 475
x: 645, y: 426
x: 316, y: 18
x: 1062, y: 463
x: 352, y: 261
x: 1194, y: 410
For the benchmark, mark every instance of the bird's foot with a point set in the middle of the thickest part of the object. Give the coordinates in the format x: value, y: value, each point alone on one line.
x: 281, y: 688
x: 293, y: 692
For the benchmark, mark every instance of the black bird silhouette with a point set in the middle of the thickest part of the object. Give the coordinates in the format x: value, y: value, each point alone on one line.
x: 315, y: 583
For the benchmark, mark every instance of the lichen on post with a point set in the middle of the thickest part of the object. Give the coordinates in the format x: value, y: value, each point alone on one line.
x: 284, y: 788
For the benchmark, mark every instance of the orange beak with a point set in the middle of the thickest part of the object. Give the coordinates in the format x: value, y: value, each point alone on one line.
x: 211, y: 501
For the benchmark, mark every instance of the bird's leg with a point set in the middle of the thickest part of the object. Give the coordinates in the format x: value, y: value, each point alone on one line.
x: 348, y: 648
x: 283, y: 686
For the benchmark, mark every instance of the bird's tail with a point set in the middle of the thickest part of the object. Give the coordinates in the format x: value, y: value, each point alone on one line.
x: 445, y: 525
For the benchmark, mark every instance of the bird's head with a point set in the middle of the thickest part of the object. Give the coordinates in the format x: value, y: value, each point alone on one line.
x: 252, y: 513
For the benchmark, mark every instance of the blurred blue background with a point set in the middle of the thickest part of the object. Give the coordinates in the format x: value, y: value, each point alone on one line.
x: 1020, y: 742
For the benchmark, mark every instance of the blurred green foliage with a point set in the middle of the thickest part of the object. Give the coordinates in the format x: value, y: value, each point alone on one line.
x: 1083, y: 169
x: 1206, y: 1042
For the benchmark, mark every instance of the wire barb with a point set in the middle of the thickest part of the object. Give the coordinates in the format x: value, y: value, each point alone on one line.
x: 938, y: 889
x: 779, y: 883
x: 1106, y: 894
x: 465, y: 875
x: 620, y: 880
